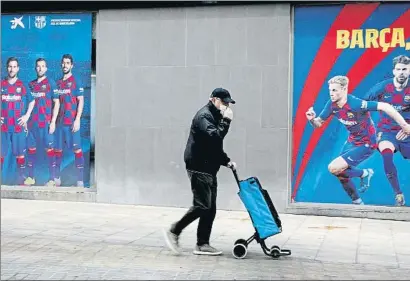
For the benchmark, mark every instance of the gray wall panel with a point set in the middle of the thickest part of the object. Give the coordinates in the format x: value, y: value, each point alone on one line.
x: 274, y: 105
x: 231, y: 41
x: 172, y: 60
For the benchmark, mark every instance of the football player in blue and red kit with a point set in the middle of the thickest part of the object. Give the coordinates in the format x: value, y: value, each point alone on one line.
x: 391, y: 137
x: 16, y: 108
x: 354, y: 113
x: 71, y: 96
x: 42, y: 124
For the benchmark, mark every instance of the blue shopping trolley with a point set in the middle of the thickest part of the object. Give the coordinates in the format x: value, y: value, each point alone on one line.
x: 264, y: 216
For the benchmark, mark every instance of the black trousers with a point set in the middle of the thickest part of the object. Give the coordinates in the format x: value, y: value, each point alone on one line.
x: 204, y: 188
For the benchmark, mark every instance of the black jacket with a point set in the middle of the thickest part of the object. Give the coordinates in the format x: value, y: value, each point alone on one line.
x: 204, y: 150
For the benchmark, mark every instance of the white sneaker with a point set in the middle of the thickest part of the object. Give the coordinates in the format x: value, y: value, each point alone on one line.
x: 400, y: 200
x: 206, y: 250
x: 358, y: 201
x: 172, y: 241
x: 57, y: 181
x: 365, y: 181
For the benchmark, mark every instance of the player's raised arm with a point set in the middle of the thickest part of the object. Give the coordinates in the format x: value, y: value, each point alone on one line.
x: 314, y: 121
x: 317, y: 122
x: 385, y: 107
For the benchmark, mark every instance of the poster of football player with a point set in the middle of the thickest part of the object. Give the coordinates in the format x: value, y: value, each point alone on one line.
x: 351, y: 104
x: 45, y: 99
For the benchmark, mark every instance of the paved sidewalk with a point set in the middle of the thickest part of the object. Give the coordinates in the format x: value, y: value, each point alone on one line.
x: 67, y: 240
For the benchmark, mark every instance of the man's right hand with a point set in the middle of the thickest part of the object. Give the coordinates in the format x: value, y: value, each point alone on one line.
x: 2, y: 120
x: 310, y: 114
x: 228, y: 113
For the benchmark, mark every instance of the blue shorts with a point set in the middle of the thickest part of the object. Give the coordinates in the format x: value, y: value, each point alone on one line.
x: 18, y: 143
x: 402, y: 146
x: 65, y: 136
x: 354, y: 155
x: 40, y: 135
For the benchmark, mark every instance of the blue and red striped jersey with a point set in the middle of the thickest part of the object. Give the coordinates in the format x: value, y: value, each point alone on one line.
x: 68, y: 91
x: 43, y: 94
x: 386, y: 92
x: 14, y: 103
x: 355, y: 116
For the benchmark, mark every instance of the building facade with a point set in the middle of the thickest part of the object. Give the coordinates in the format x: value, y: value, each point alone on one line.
x: 154, y: 67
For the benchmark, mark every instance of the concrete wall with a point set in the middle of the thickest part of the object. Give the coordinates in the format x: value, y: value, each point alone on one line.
x: 149, y: 87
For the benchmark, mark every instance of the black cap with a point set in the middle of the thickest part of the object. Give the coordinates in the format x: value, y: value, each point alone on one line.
x: 223, y: 94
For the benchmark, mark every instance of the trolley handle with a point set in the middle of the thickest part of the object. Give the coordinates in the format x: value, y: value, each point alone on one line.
x: 235, y: 174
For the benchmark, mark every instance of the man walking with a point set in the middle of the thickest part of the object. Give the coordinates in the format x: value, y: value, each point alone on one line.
x: 204, y: 154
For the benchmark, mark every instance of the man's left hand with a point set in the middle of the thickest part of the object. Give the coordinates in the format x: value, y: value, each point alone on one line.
x: 232, y: 165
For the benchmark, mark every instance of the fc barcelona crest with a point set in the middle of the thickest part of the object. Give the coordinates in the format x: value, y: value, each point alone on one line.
x: 40, y: 22
x: 18, y: 90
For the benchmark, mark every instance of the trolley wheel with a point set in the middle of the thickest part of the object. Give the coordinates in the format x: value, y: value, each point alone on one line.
x: 240, y: 250
x: 275, y: 252
x: 240, y: 241
x: 275, y: 247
